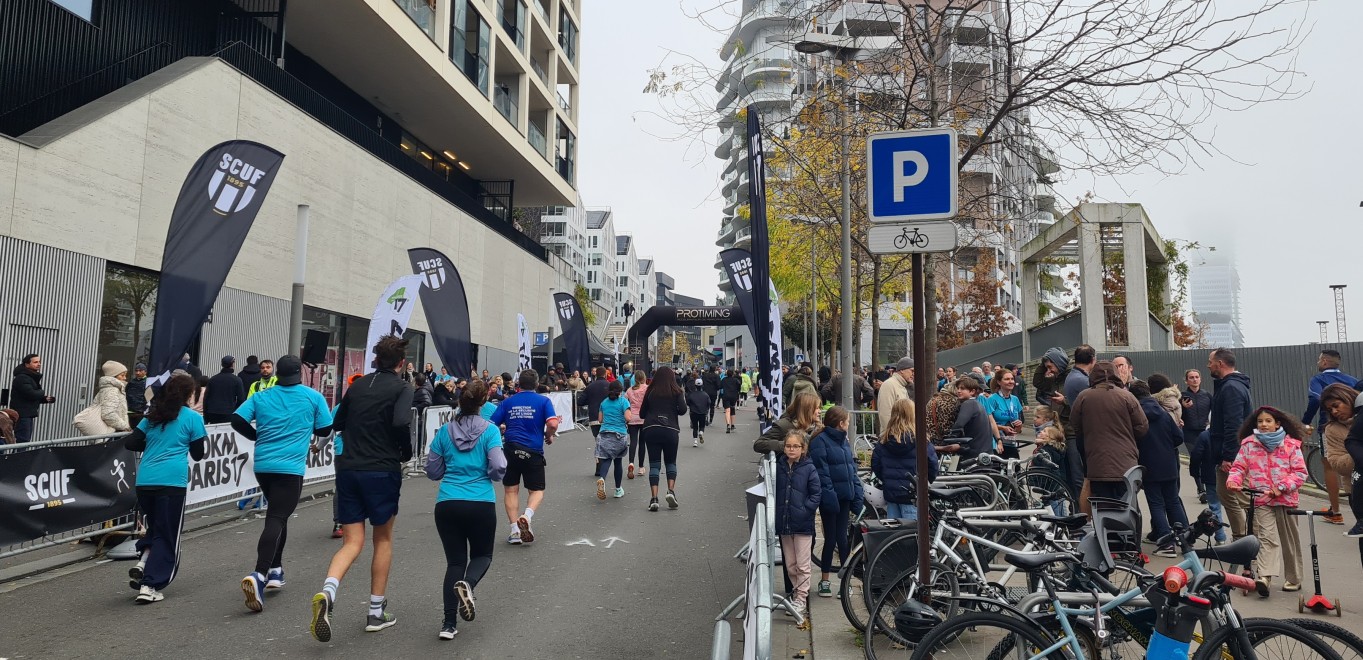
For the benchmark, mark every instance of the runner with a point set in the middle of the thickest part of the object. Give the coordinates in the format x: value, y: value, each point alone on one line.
x: 611, y: 444
x: 729, y: 390
x: 375, y: 417
x: 662, y: 405
x: 286, y: 416
x: 530, y: 424
x: 635, y: 395
x: 698, y: 402
x: 466, y: 458
x: 166, y: 437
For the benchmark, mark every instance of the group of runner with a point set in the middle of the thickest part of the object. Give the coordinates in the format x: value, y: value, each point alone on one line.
x: 468, y: 455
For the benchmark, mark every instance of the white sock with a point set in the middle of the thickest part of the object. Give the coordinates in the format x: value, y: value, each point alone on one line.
x: 375, y: 605
x: 330, y: 587
x: 529, y: 513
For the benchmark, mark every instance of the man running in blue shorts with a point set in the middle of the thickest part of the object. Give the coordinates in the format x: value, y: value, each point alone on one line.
x: 286, y: 417
x: 530, y: 423
x: 375, y: 416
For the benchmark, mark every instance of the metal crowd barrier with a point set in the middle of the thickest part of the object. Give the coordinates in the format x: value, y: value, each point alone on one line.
x: 759, y: 597
x: 865, y: 430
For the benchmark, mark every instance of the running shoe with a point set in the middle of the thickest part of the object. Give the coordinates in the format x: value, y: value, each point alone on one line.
x: 1166, y: 551
x: 629, y: 473
x: 448, y: 631
x: 321, y: 617
x: 1261, y: 587
x: 515, y: 537
x: 336, y: 531
x: 148, y: 594
x: 253, y: 586
x: 671, y: 500
x: 275, y: 578
x: 384, y: 619
x: 1291, y: 586
x: 702, y: 437
x: 135, y: 585
x: 137, y: 571
x: 1357, y: 531
x: 695, y: 443
x: 527, y: 535
x: 600, y: 488
x: 619, y: 492
x: 465, y: 592
x: 825, y: 589
x: 653, y: 504
x: 1332, y: 517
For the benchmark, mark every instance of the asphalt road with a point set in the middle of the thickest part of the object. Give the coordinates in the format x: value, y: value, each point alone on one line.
x: 573, y: 593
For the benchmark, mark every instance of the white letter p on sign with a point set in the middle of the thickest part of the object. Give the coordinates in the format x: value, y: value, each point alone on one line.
x: 901, y: 180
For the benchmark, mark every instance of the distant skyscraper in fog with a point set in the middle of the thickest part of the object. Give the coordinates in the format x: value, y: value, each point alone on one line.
x: 1214, y: 292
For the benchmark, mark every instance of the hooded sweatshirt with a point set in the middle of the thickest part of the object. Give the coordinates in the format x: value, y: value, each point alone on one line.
x: 466, y: 458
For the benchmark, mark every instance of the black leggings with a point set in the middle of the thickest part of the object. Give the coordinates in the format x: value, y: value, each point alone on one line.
x: 603, y: 466
x: 633, y: 443
x: 282, y: 492
x: 697, y: 426
x: 1356, y: 504
x: 662, y: 449
x: 466, y: 531
x: 835, y: 533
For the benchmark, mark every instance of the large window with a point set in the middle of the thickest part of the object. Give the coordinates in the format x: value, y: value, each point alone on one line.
x: 894, y: 344
x: 470, y: 43
x: 346, y: 350
x: 422, y: 12
x: 565, y: 152
x: 125, y: 319
x: 567, y: 35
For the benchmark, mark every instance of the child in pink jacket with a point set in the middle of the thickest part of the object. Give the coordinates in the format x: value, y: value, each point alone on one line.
x: 1270, y: 460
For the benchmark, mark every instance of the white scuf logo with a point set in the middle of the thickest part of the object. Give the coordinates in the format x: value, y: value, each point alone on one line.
x: 742, y: 272
x: 49, y: 489
x: 565, y: 309
x: 434, y: 271
x: 233, y: 186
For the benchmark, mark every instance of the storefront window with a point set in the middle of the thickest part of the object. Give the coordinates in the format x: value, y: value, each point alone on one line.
x: 126, y: 315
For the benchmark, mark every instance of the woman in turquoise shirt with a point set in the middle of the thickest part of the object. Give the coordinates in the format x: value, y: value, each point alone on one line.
x: 1006, y: 409
x: 466, y: 458
x: 613, y: 440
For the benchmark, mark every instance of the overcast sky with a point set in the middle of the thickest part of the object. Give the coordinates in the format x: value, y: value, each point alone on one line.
x: 1289, y: 207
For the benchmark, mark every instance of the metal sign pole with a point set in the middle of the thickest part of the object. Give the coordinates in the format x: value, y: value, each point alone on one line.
x: 921, y: 394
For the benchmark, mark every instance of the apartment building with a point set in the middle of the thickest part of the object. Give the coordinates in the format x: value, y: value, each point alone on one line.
x: 447, y: 116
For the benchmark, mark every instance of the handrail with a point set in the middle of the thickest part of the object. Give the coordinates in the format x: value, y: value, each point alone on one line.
x: 83, y: 82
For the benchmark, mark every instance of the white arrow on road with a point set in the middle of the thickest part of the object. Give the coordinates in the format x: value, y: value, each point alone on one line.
x: 611, y: 541
x: 582, y: 542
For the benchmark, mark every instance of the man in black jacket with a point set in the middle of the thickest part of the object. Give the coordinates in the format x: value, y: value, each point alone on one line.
x: 251, y: 372
x: 223, y: 395
x: 26, y: 394
x: 710, y: 384
x: 1231, y: 406
x: 375, y: 419
x: 136, y: 395
x: 592, y: 398
x: 1197, y: 409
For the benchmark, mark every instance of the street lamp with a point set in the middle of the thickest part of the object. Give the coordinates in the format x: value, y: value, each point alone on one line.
x: 813, y: 292
x: 843, y: 50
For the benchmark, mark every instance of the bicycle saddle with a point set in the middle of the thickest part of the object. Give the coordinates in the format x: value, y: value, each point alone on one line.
x: 1075, y: 521
x: 951, y: 494
x: 1240, y: 551
x: 1031, y: 561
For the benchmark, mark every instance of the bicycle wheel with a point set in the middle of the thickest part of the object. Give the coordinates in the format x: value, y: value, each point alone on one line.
x: 1272, y: 640
x: 851, y: 589
x: 1315, y: 466
x: 1040, y: 488
x: 986, y: 635
x: 882, y: 637
x: 1348, y: 645
x: 896, y: 555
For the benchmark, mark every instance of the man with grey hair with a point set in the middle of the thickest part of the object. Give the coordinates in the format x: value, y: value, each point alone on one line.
x: 899, y: 386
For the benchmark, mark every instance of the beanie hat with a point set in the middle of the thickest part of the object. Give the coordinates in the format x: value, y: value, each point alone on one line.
x: 112, y: 368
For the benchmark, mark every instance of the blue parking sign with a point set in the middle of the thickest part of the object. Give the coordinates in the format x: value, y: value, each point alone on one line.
x: 911, y: 175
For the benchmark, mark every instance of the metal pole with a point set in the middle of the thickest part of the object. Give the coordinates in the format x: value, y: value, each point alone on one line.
x: 814, y: 318
x: 847, y: 300
x: 1339, y: 312
x: 1324, y: 331
x: 549, y: 348
x: 920, y: 395
x: 300, y: 269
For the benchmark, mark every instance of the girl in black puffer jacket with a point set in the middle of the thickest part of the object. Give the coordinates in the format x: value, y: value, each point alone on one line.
x: 798, y: 492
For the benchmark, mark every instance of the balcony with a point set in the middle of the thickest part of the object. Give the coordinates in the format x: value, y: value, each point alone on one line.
x: 422, y: 13
x: 537, y: 139
x: 539, y: 71
x: 513, y: 21
x: 866, y: 19
x: 543, y: 11
x: 504, y: 100
x: 763, y: 14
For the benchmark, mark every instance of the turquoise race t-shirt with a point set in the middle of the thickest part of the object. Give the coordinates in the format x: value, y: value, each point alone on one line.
x: 486, y: 411
x: 613, y: 415
x: 165, y: 462
x: 466, y: 471
x: 285, y: 416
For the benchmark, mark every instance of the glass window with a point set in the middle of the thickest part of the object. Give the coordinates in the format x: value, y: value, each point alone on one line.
x: 894, y: 344
x: 126, y: 315
x: 471, y: 43
x: 565, y: 152
x: 567, y: 35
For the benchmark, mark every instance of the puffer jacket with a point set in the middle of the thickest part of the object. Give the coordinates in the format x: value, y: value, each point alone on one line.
x: 112, y: 402
x: 1170, y: 399
x: 1159, y: 448
x: 896, y: 464
x: 26, y: 392
x: 1258, y: 468
x: 837, y: 468
x: 798, y: 494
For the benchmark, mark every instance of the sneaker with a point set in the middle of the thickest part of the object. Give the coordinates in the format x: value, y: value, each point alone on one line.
x: 629, y: 473
x: 728, y: 428
x: 1291, y: 586
x: 695, y: 443
x: 1261, y: 587
x: 653, y: 504
x: 320, y: 626
x: 1150, y: 539
x: 336, y: 531
x: 671, y: 500
x: 1356, y: 531
x: 253, y: 586
x: 135, y: 585
x: 515, y: 537
x: 1202, y: 497
x: 702, y: 437
x: 1166, y: 551
x: 1332, y: 517
x: 527, y: 536
x: 464, y: 591
x: 385, y: 619
x: 619, y: 492
x: 825, y: 589
x: 275, y: 578
x: 448, y: 631
x: 137, y: 571
x: 600, y: 488
x: 148, y: 594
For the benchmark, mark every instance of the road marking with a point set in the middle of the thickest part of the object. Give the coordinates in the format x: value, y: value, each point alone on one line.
x: 611, y: 541
x: 582, y: 542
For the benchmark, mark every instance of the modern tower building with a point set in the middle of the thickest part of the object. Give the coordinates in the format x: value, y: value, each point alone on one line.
x: 1214, y: 293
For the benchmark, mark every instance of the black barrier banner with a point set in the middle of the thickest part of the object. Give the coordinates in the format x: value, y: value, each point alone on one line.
x: 738, y: 266
x: 766, y: 323
x: 217, y: 205
x: 446, y: 307
x: 578, y: 355
x: 58, y: 489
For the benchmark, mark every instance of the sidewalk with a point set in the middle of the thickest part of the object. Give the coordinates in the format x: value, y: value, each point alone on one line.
x: 834, y: 638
